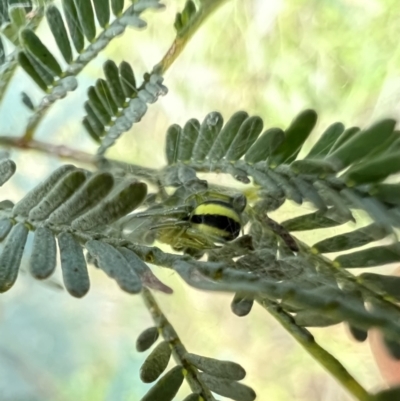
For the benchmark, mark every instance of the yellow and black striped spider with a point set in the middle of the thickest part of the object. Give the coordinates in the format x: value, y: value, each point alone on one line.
x: 201, y: 222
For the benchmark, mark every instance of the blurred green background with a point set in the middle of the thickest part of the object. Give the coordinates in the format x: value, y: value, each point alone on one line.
x: 272, y: 58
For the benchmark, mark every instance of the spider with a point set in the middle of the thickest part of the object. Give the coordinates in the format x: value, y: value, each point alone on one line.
x: 199, y: 222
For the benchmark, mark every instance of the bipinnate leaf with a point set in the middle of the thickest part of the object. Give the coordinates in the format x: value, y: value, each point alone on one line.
x: 35, y: 196
x: 102, y: 9
x: 42, y: 262
x: 86, y: 18
x: 246, y: 136
x: 35, y: 46
x: 265, y: 145
x: 295, y: 135
x: 393, y: 347
x: 167, y: 387
x: 172, y: 143
x: 114, y: 264
x: 392, y: 394
x: 59, y: 194
x: 315, y: 318
x: 11, y: 255
x: 352, y: 239
x: 146, y: 339
x: 7, y: 170
x: 147, y: 277
x: 209, y: 129
x: 111, y: 209
x: 226, y: 136
x: 74, y: 26
x: 94, y: 189
x: 155, y: 363
x: 214, y: 367
x: 73, y: 265
x: 5, y: 227
x: 228, y: 388
x: 326, y: 141
x: 59, y: 31
x: 362, y: 143
x: 241, y: 304
x: 374, y: 256
x: 383, y: 284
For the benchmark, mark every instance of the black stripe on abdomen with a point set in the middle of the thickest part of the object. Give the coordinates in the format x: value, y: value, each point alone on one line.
x: 230, y: 226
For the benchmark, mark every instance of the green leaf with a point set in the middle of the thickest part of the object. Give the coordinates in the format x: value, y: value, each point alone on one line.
x: 295, y: 135
x: 67, y: 185
x: 29, y: 68
x: 102, y: 8
x: 246, y: 136
x: 346, y: 135
x: 241, y: 304
x: 362, y: 143
x: 389, y: 193
x: 193, y: 397
x: 42, y: 262
x: 373, y: 170
x: 388, y: 395
x: 146, y: 339
x: 188, y: 139
x: 104, y: 95
x: 92, y: 123
x: 326, y: 141
x: 353, y: 239
x: 113, y: 263
x: 315, y: 318
x: 128, y: 80
x: 11, y: 256
x: 359, y: 335
x: 375, y: 256
x: 73, y: 265
x: 57, y: 27
x: 117, y: 6
x: 17, y: 15
x: 227, y: 135
x: 112, y: 76
x: 188, y: 12
x: 35, y: 46
x: 308, y: 191
x: 7, y: 170
x: 5, y: 227
x: 35, y: 196
x: 311, y: 221
x: 94, y: 189
x: 228, y: 388
x: 97, y: 106
x: 167, y: 387
x: 86, y: 18
x: 382, y: 284
x: 266, y: 144
x: 285, y: 185
x: 209, y: 129
x: 113, y: 208
x: 155, y: 363
x: 91, y: 127
x: 393, y: 347
x: 74, y: 26
x: 174, y: 132
x: 2, y: 51
x: 320, y: 168
x: 214, y: 367
x: 178, y: 25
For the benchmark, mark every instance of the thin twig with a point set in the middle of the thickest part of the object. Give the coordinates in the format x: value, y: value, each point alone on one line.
x: 306, y: 339
x: 207, y: 7
x: 178, y: 349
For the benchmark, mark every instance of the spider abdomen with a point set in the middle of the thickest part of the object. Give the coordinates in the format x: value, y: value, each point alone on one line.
x: 216, y: 218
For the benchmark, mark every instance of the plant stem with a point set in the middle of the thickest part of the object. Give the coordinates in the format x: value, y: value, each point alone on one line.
x: 207, y: 7
x: 306, y: 339
x: 178, y: 349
